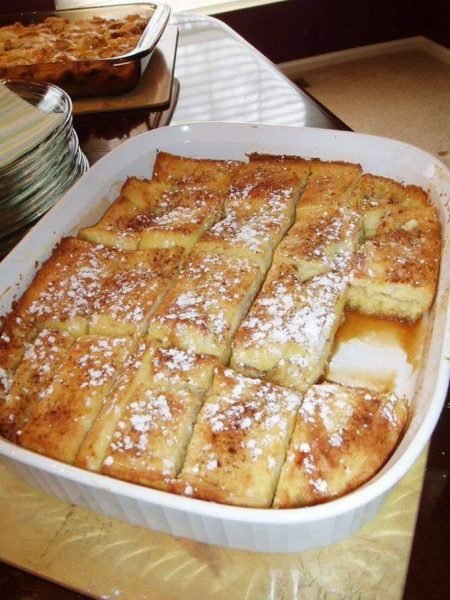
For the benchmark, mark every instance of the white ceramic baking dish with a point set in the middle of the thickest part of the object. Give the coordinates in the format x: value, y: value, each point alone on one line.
x: 251, y: 529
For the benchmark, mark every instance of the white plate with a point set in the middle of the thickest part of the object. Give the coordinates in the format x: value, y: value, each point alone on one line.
x: 262, y: 530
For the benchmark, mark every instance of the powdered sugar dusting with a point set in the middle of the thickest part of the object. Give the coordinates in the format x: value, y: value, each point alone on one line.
x: 300, y: 313
x: 6, y: 380
x: 331, y: 407
x: 258, y: 411
x: 388, y: 411
x: 206, y: 294
x: 150, y: 431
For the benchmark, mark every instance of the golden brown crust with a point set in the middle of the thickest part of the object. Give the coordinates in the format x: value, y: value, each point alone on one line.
x: 85, y: 288
x: 297, y: 165
x: 395, y: 272
x: 135, y: 370
x: 56, y: 39
x: 61, y: 293
x: 141, y: 434
x: 322, y: 240
x: 150, y: 214
x: 150, y: 442
x: 286, y: 337
x: 330, y: 183
x: 206, y: 303
x: 256, y: 217
x: 373, y: 191
x: 180, y: 170
x: 60, y: 421
x: 261, y: 182
x: 130, y: 295
x: 342, y: 437
x: 239, y: 441
x: 149, y: 371
x: 147, y: 194
x: 25, y: 387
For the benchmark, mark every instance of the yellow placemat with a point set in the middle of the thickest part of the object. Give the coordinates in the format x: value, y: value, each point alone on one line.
x: 108, y: 558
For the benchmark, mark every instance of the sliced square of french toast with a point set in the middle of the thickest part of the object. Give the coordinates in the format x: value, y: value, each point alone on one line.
x: 172, y: 368
x: 259, y: 209
x: 373, y: 195
x: 85, y: 287
x: 252, y: 238
x: 139, y: 202
x: 420, y: 222
x: 321, y: 240
x: 136, y: 370
x: 197, y: 172
x: 29, y: 383
x: 181, y: 226
x: 131, y: 293
x: 252, y: 230
x: 342, y: 437
x: 330, y: 183
x: 257, y: 185
x: 298, y: 165
x: 394, y: 275
x: 60, y: 296
x: 287, y: 335
x: 239, y: 441
x: 149, y: 444
x: 149, y: 195
x: 61, y: 419
x: 395, y: 271
x: 204, y: 307
x: 121, y: 226
x: 159, y: 217
x: 142, y: 433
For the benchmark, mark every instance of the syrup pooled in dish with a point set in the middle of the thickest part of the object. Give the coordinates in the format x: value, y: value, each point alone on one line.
x: 183, y: 341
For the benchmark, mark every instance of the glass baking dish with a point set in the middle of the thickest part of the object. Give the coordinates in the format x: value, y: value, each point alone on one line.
x: 93, y: 77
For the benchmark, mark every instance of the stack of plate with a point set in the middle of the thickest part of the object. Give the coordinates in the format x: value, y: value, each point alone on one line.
x: 38, y: 169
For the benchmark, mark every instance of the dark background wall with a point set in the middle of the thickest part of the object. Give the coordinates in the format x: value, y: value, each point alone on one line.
x: 435, y: 20
x: 299, y: 28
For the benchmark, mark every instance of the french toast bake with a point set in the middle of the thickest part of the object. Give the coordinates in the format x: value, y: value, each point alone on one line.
x: 181, y: 342
x: 85, y: 55
x: 56, y: 39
